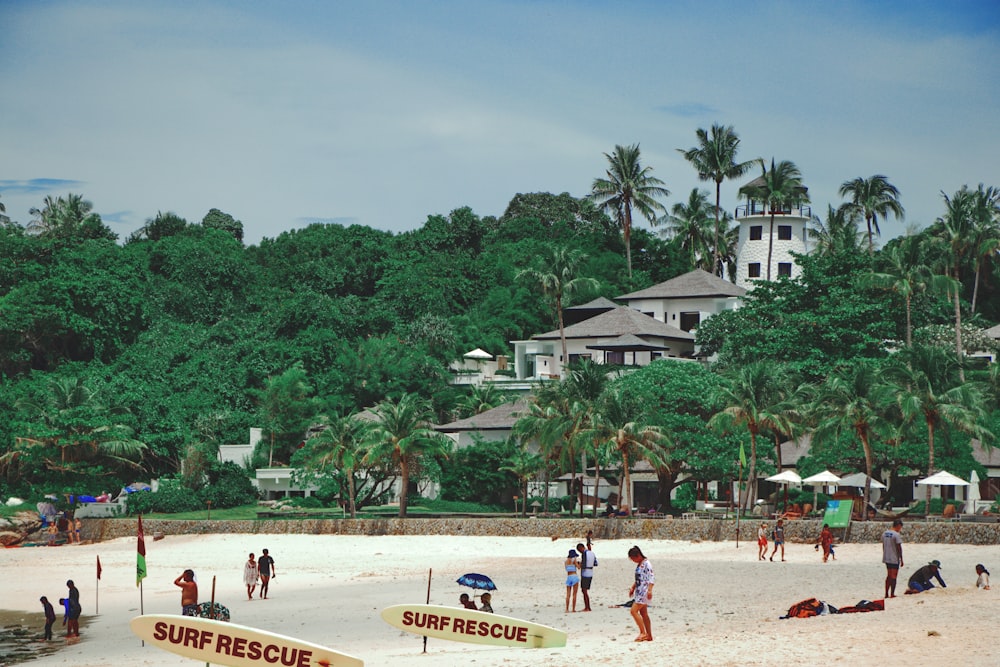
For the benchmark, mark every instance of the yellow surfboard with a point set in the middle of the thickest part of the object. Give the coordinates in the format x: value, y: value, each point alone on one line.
x: 474, y: 627
x: 234, y: 645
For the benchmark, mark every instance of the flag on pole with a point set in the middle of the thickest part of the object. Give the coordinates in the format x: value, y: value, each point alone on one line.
x: 140, y: 566
x: 98, y: 568
x: 743, y: 462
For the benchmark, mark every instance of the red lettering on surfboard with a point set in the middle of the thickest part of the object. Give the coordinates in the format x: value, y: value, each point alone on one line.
x: 522, y: 634
x: 160, y: 631
x: 407, y: 618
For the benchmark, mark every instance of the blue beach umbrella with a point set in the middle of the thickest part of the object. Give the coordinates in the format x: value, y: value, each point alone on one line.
x: 480, y: 582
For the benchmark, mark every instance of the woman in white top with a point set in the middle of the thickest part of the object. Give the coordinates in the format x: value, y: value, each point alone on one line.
x: 250, y: 575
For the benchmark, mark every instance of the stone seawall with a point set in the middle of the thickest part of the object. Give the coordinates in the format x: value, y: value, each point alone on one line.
x: 702, y: 530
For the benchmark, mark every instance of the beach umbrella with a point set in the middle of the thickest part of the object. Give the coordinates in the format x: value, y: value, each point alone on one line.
x: 943, y: 478
x: 787, y: 477
x: 821, y: 479
x: 480, y: 582
x: 972, y: 495
x: 478, y: 354
x: 858, y: 480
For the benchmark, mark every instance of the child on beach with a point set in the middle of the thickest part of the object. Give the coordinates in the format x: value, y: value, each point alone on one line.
x: 762, y: 541
x: 779, y: 540
x: 983, y: 580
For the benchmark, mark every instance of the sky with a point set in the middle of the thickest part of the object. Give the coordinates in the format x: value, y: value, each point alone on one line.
x: 383, y: 113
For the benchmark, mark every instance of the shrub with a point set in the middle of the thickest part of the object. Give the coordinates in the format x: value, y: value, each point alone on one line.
x: 170, y: 498
x: 228, y: 487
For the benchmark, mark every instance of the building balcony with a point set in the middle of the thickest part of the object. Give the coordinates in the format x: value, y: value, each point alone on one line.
x: 760, y: 209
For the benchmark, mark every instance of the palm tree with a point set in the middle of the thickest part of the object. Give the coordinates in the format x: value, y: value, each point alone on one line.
x: 873, y: 197
x: 403, y: 434
x: 715, y: 159
x: 853, y: 399
x: 955, y: 231
x: 619, y: 425
x: 839, y: 234
x: 906, y: 274
x: 481, y: 398
x: 524, y: 465
x: 341, y: 446
x: 927, y: 385
x: 779, y: 187
x: 692, y: 224
x: 985, y: 229
x: 628, y: 185
x: 752, y: 397
x: 558, y: 281
x: 59, y: 215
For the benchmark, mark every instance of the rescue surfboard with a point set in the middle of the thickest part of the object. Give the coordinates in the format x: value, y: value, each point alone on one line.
x: 475, y: 627
x: 234, y: 645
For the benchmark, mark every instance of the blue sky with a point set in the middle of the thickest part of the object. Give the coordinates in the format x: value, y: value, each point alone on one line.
x: 382, y: 113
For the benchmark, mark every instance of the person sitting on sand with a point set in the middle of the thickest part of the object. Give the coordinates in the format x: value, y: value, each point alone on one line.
x: 486, y: 599
x: 921, y: 579
x: 466, y: 602
x: 983, y: 580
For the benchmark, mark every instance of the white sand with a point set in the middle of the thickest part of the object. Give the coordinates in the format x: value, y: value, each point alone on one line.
x: 714, y: 604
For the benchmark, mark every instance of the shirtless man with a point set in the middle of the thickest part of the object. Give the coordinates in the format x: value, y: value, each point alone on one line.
x: 189, y: 593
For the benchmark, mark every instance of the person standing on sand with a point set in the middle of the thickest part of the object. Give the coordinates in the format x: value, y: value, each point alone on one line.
x: 762, y: 541
x: 50, y: 616
x: 73, y: 626
x: 77, y: 529
x: 826, y: 541
x: 265, y: 566
x: 892, y: 556
x: 189, y: 593
x: 642, y: 593
x: 250, y: 575
x: 779, y: 539
x: 572, y: 577
x: 588, y: 561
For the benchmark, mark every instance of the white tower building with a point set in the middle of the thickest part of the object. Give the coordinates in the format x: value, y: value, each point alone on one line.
x: 756, y: 234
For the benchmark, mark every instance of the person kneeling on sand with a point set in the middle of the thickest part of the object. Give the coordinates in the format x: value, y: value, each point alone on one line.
x: 983, y: 580
x: 921, y: 579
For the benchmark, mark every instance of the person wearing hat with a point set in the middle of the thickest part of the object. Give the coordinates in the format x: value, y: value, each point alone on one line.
x: 921, y: 579
x: 572, y: 577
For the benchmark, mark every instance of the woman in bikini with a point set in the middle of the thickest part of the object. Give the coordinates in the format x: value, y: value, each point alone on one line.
x: 572, y: 577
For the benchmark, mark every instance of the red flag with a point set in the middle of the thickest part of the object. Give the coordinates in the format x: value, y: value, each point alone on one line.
x: 140, y: 565
x: 98, y: 568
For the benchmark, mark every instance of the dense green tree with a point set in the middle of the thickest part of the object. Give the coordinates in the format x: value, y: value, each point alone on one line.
x: 338, y: 450
x: 524, y: 465
x: 216, y: 219
x: 287, y: 407
x: 777, y: 188
x: 873, y: 198
x: 627, y: 186
x: 715, y: 160
x: 691, y: 223
x: 490, y: 484
x: 68, y: 219
x: 986, y: 232
x: 159, y: 227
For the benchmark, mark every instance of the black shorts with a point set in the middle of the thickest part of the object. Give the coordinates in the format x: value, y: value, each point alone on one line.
x: 585, y: 583
x: 892, y: 567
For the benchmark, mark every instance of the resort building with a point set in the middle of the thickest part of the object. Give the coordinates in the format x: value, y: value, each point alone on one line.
x: 765, y: 231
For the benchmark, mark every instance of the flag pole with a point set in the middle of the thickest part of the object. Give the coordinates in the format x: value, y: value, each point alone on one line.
x: 430, y: 571
x: 140, y: 566
x: 97, y: 589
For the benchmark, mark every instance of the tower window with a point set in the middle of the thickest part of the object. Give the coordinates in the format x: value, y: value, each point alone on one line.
x: 756, y: 232
x: 785, y: 269
x: 784, y: 232
x: 753, y: 269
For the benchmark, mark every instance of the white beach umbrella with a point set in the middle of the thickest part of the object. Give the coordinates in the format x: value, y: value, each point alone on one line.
x: 787, y: 477
x: 972, y: 494
x: 858, y: 480
x: 821, y: 479
x: 943, y: 478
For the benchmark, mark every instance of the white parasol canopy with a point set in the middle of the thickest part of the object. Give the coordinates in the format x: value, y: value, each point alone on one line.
x: 943, y: 478
x: 972, y: 494
x: 858, y: 480
x: 825, y: 477
x: 786, y: 477
x: 478, y: 353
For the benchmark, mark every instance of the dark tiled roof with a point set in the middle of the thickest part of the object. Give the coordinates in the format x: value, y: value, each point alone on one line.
x: 619, y: 322
x: 993, y: 332
x: 600, y: 303
x: 501, y: 417
x: 694, y: 284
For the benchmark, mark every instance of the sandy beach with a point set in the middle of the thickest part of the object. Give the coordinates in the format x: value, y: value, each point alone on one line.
x: 714, y: 604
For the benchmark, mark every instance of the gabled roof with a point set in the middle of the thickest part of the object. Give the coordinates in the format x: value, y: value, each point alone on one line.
x: 600, y: 303
x: 694, y: 284
x: 499, y: 418
x: 993, y: 332
x: 619, y: 322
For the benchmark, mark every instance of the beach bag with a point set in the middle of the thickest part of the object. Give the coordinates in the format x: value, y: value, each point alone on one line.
x: 805, y: 609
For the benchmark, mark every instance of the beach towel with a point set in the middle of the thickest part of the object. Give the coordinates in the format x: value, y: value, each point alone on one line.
x: 864, y: 605
x: 805, y: 609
